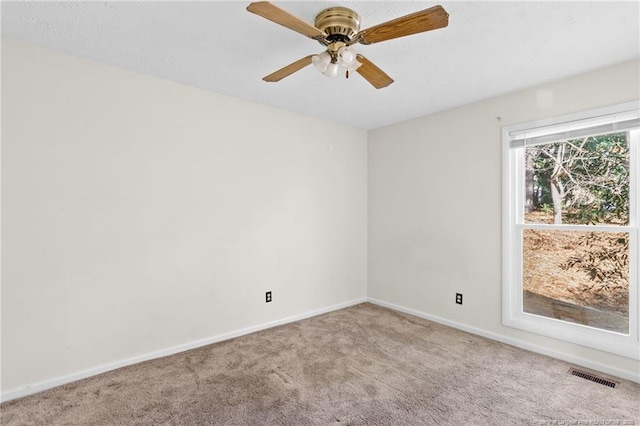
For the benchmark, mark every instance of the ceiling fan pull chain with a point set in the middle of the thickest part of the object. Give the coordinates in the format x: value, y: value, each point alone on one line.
x: 347, y: 74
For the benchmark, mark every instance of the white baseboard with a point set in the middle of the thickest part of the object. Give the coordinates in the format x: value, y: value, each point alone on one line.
x: 48, y: 384
x: 514, y: 342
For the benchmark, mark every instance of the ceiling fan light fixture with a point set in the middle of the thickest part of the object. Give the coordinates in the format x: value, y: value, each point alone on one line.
x: 331, y: 63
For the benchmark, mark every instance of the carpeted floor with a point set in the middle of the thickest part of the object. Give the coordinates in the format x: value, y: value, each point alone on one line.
x: 363, y: 365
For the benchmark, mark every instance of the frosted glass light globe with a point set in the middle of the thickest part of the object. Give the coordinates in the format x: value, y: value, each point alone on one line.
x: 346, y: 55
x: 332, y: 70
x: 321, y: 61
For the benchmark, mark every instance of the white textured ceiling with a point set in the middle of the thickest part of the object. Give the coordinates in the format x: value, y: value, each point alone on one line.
x: 489, y: 48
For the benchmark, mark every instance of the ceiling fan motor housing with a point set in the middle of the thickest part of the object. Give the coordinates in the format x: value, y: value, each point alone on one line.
x: 339, y: 23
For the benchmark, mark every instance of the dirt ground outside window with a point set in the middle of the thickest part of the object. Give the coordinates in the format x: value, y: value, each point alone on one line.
x: 567, y: 293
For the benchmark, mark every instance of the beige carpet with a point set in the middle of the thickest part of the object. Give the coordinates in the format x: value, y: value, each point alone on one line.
x: 364, y: 365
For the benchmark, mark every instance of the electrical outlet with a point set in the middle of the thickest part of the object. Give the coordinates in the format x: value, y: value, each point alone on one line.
x: 268, y: 297
x: 459, y: 298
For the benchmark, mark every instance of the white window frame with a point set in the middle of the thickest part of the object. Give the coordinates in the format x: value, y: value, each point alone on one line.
x: 512, y: 225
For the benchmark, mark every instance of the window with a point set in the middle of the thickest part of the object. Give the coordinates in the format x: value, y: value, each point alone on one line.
x: 570, y: 228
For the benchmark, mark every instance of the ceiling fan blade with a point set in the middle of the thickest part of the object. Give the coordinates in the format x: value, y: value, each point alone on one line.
x: 284, y: 18
x: 419, y: 22
x: 372, y: 73
x: 288, y: 70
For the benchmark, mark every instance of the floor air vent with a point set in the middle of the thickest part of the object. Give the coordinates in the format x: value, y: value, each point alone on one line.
x: 592, y: 377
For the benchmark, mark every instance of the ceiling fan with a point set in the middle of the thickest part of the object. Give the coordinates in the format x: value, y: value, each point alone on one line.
x: 338, y: 28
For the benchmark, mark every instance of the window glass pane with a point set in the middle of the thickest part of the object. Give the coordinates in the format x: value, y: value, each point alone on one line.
x: 579, y: 277
x: 579, y: 181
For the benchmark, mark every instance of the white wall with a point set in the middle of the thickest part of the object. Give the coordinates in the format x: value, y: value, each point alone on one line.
x: 435, y: 205
x: 139, y: 214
